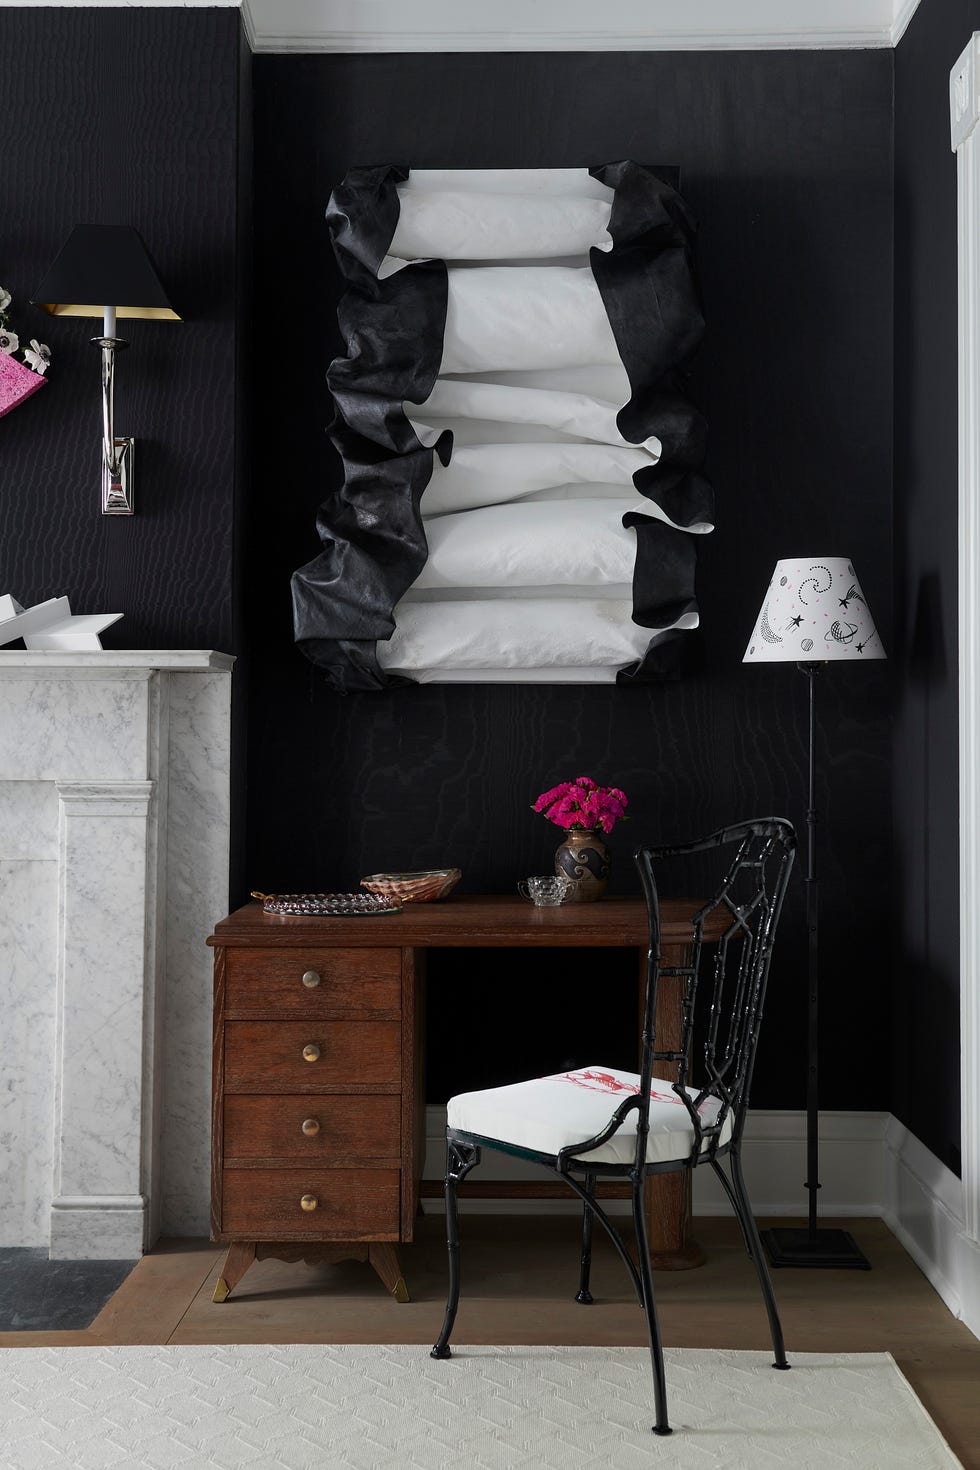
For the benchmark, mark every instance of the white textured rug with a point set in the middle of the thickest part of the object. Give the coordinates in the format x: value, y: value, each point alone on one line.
x: 488, y: 1408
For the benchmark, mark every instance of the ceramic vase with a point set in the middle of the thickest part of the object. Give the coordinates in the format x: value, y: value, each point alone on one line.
x: 584, y: 858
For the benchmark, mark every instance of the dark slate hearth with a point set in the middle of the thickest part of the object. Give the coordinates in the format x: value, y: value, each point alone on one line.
x: 39, y: 1295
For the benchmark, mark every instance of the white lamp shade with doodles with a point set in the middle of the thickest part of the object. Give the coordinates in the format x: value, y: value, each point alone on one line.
x: 813, y: 612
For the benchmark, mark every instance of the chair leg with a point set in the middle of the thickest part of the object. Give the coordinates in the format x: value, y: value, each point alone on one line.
x: 460, y: 1159
x: 743, y: 1209
x: 650, y: 1307
x: 584, y: 1296
x: 619, y: 1244
x: 733, y: 1201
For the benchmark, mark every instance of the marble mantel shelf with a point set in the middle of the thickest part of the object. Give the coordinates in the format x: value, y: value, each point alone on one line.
x: 114, y: 821
x: 180, y: 659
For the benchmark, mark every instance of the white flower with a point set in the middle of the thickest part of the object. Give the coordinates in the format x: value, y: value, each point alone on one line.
x: 9, y: 341
x: 38, y: 356
x: 4, y: 299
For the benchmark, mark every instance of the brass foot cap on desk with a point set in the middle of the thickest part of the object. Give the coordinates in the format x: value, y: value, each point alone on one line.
x: 400, y: 1291
x: 222, y: 1291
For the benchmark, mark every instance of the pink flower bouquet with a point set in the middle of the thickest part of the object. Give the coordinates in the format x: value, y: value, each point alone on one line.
x: 582, y: 805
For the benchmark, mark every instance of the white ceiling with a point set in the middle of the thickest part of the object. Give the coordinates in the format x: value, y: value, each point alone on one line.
x: 553, y: 25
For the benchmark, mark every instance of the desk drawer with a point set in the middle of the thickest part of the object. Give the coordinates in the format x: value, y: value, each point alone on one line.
x: 337, y: 981
x: 350, y: 1204
x: 271, y: 1056
x: 323, y: 1129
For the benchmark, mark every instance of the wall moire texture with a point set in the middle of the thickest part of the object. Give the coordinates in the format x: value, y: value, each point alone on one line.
x: 125, y: 117
x: 786, y: 160
x: 926, y: 1000
x: 156, y: 118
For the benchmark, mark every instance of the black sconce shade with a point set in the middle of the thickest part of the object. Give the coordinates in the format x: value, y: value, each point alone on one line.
x: 104, y: 265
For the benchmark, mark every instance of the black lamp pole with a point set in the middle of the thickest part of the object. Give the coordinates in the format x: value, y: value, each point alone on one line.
x: 812, y: 1181
x: 796, y: 1246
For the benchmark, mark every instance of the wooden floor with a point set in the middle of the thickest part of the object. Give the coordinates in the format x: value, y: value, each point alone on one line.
x: 519, y: 1279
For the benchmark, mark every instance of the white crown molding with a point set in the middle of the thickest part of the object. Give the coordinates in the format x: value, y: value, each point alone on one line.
x: 248, y: 25
x: 119, y: 4
x: 904, y: 11
x: 555, y: 25
x: 325, y: 26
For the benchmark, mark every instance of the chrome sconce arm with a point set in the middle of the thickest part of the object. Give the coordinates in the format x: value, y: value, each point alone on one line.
x: 117, y: 453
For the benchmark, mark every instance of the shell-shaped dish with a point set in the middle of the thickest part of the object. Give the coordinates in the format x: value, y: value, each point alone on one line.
x: 424, y: 887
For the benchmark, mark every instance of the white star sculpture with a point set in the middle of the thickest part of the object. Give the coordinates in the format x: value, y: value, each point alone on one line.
x: 51, y: 625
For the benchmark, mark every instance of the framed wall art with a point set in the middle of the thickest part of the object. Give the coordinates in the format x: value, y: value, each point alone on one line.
x: 522, y: 490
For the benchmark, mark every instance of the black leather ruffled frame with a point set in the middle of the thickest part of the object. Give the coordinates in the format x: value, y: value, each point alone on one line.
x: 374, y: 546
x: 648, y: 288
x: 373, y: 539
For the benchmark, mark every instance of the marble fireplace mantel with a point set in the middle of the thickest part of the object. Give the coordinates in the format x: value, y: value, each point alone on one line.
x: 114, y: 820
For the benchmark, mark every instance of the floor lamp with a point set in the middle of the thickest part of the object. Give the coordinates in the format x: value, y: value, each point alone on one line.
x: 814, y: 614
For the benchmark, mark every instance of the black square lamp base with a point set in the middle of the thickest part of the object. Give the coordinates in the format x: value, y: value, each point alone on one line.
x: 830, y: 1249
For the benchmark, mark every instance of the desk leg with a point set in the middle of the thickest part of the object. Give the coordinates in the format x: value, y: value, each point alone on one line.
x: 668, y: 1196
x: 383, y: 1256
x: 240, y: 1256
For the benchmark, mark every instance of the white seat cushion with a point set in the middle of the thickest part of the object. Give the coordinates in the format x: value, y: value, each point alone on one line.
x: 548, y: 1114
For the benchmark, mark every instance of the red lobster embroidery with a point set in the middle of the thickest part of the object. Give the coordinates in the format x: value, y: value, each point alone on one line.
x: 606, y: 1082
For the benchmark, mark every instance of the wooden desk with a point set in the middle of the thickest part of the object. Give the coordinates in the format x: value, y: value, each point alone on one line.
x: 298, y: 1188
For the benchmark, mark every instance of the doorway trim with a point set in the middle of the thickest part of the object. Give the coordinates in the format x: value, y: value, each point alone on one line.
x: 964, y: 106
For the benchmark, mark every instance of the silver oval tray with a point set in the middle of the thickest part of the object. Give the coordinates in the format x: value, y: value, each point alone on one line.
x: 327, y: 905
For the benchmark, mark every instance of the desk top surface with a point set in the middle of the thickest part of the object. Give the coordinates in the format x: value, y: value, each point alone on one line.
x: 492, y: 920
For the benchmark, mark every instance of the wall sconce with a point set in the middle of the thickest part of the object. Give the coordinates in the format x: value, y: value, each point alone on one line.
x: 98, y: 265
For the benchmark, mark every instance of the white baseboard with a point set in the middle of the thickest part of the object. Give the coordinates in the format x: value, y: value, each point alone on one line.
x: 97, y: 1227
x: 923, y: 1207
x: 852, y: 1168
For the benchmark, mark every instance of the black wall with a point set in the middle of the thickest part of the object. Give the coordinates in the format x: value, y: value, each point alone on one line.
x: 129, y: 117
x: 143, y: 116
x: 786, y: 158
x: 926, y: 996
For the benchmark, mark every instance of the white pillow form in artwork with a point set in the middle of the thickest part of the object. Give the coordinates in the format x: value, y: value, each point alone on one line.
x: 455, y: 224
x: 539, y: 182
x: 580, y: 416
x: 488, y: 474
x: 515, y: 633
x: 529, y: 570
x: 582, y: 543
x: 506, y: 317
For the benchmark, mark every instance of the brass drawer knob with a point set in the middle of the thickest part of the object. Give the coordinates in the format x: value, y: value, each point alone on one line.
x: 311, y: 1127
x: 309, y: 1202
x: 311, y: 979
x: 311, y: 1053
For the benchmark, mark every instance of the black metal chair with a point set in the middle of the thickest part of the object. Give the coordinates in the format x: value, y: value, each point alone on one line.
x: 659, y: 1124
